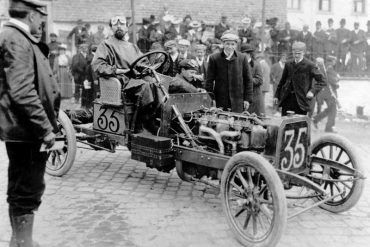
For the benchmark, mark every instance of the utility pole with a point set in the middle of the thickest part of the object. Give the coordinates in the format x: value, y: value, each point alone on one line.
x: 133, y: 21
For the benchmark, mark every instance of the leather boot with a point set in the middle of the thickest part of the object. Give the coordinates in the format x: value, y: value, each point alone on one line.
x: 22, y: 227
x: 12, y: 239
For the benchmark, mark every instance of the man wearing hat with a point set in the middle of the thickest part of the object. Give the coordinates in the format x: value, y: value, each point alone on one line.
x: 246, y: 33
x: 202, y: 60
x: 358, y: 47
x: 300, y: 82
x: 184, y: 46
x: 171, y: 68
x: 185, y: 81
x: 286, y: 39
x: 344, y: 39
x: 29, y: 106
x: 53, y: 48
x: 257, y: 78
x: 274, y: 34
x: 331, y: 43
x: 306, y: 37
x: 80, y: 62
x: 229, y: 77
x: 99, y: 36
x: 221, y: 27
x: 143, y: 41
x: 329, y: 96
x: 367, y: 34
x: 319, y: 41
x: 76, y: 31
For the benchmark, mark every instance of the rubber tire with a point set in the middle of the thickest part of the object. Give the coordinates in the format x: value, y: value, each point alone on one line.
x: 276, y: 187
x: 66, y: 124
x: 358, y: 185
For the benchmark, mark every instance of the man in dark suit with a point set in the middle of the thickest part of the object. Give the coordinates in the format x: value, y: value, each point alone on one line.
x: 329, y: 96
x: 319, y: 41
x: 29, y: 106
x: 79, y: 69
x: 286, y: 38
x: 344, y: 39
x: 296, y: 88
x: 358, y: 44
x: 306, y: 37
x: 202, y: 61
x: 229, y: 76
x: 221, y: 27
x: 76, y: 31
x: 143, y: 41
x: 171, y: 68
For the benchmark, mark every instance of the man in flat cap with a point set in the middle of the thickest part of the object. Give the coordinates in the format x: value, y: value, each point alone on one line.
x: 358, y: 47
x: 246, y: 33
x: 29, y: 106
x: 229, y: 76
x: 344, y: 40
x: 185, y: 80
x: 296, y: 88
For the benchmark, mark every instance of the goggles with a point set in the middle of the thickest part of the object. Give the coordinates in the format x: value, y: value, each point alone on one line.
x: 117, y: 19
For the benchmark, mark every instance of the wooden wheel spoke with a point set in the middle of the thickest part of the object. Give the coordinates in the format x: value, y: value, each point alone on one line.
x: 347, y: 162
x: 254, y: 222
x: 263, y: 189
x: 322, y: 153
x: 247, y: 221
x: 242, y: 179
x: 250, y: 177
x: 330, y: 152
x: 259, y: 218
x: 331, y: 189
x: 339, y: 154
x: 339, y: 190
x: 241, y: 191
x: 240, y: 212
x: 266, y: 212
x: 346, y: 185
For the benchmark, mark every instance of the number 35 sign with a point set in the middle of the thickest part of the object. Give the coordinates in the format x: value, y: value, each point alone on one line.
x: 294, y: 146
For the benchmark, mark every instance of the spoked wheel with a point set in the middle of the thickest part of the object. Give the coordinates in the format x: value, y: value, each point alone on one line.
x: 253, y: 199
x: 349, y: 189
x: 61, y: 160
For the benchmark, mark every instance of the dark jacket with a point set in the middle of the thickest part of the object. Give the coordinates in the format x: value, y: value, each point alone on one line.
x: 79, y: 68
x: 171, y: 68
x: 257, y: 77
x: 143, y: 41
x: 298, y: 78
x: 319, y: 43
x: 220, y: 29
x: 29, y: 94
x: 308, y: 40
x: 229, y: 80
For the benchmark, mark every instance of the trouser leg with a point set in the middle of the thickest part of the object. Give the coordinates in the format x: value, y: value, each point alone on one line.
x: 332, y: 113
x: 291, y: 104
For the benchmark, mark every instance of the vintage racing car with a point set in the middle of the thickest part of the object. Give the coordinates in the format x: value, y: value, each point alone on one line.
x: 254, y: 159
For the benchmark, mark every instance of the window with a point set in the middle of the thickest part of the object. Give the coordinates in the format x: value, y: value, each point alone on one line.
x: 325, y: 5
x: 359, y: 6
x: 294, y: 4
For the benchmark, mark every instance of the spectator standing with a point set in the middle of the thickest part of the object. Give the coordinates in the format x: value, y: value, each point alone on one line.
x: 156, y: 35
x: 184, y: 27
x: 76, y: 32
x: 62, y: 73
x: 329, y: 96
x: 275, y: 75
x: 184, y: 46
x: 296, y: 88
x: 171, y: 68
x: 29, y: 100
x: 53, y: 48
x: 79, y: 70
x: 367, y: 34
x: 344, y: 39
x: 229, y: 76
x: 286, y: 38
x: 257, y: 79
x: 175, y: 29
x: 358, y: 42
x: 319, y: 41
x: 266, y: 71
x: 274, y: 34
x: 143, y: 41
x: 221, y: 27
x: 99, y: 36
x: 87, y: 94
x: 331, y: 43
x: 202, y: 60
x: 306, y: 37
x: 246, y: 33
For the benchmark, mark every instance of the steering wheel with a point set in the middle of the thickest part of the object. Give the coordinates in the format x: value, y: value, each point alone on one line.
x: 145, y: 64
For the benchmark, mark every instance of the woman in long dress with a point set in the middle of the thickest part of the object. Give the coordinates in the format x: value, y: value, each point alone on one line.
x: 62, y: 72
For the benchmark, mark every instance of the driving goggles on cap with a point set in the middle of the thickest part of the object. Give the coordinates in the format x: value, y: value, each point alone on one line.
x: 117, y: 19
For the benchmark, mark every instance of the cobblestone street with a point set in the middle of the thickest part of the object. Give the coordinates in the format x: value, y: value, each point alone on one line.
x: 109, y: 200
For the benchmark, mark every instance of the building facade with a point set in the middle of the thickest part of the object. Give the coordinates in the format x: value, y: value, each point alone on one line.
x: 300, y: 12
x: 63, y: 14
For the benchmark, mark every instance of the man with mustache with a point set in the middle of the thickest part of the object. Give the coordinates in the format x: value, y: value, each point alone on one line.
x: 29, y: 106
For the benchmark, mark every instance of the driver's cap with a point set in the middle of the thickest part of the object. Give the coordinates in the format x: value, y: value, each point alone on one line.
x: 188, y: 64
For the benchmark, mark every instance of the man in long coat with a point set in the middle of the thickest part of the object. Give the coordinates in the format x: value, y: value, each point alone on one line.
x: 29, y: 105
x: 229, y: 76
x: 296, y: 88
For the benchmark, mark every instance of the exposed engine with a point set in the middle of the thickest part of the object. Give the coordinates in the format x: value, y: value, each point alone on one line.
x: 226, y: 132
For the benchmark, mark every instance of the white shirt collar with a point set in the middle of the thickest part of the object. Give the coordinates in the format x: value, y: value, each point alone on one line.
x: 200, y: 61
x: 298, y: 60
x: 174, y: 56
x: 20, y: 24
